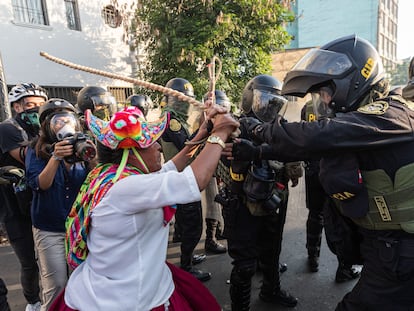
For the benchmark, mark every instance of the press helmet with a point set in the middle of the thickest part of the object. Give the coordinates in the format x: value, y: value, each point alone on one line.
x: 180, y: 85
x: 261, y: 96
x: 221, y: 99
x: 142, y: 102
x: 97, y: 99
x: 54, y: 105
x: 350, y: 66
x: 22, y: 90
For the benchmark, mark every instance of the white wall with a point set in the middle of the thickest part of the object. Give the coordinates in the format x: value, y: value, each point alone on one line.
x: 97, y: 46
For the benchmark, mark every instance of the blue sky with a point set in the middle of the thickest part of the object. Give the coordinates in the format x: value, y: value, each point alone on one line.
x: 405, y: 45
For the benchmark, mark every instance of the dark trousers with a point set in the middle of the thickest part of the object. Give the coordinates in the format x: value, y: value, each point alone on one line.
x: 387, y: 278
x: 315, y: 200
x: 19, y: 231
x: 4, y: 306
x: 190, y: 220
x: 249, y: 239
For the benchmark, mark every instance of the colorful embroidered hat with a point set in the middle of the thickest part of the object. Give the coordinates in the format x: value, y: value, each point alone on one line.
x: 126, y: 129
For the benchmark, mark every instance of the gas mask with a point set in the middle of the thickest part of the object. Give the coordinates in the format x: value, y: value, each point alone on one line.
x: 64, y: 125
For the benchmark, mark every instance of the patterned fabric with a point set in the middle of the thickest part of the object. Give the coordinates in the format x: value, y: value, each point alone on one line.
x: 126, y: 129
x: 96, y: 185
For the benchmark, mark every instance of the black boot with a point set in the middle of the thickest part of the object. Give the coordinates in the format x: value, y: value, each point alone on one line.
x: 219, y: 232
x: 313, y: 263
x: 240, y: 287
x: 346, y: 273
x: 211, y: 245
x: 271, y: 292
x: 186, y: 264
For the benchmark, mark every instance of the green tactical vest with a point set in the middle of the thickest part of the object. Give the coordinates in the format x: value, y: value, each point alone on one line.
x: 391, y: 205
x: 169, y: 150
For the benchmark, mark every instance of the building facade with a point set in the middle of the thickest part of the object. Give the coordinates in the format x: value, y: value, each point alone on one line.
x: 320, y: 21
x: 88, y: 33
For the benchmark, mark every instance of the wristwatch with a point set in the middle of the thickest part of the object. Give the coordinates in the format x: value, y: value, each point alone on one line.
x: 212, y: 139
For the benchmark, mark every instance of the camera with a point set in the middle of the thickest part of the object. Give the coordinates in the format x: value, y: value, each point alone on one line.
x: 83, y: 148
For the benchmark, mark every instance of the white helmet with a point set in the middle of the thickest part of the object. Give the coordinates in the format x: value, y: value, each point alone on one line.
x: 22, y: 90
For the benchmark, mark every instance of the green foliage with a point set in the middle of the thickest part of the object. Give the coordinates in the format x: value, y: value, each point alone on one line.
x: 181, y: 37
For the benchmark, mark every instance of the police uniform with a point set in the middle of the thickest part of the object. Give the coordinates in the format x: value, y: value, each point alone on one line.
x: 254, y: 213
x: 188, y: 216
x: 379, y: 139
x: 315, y: 200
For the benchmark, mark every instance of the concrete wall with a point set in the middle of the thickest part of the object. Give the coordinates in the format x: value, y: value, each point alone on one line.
x: 96, y: 45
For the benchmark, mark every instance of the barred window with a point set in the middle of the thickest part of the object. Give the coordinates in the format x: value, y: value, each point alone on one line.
x: 111, y: 16
x: 30, y: 12
x: 72, y: 14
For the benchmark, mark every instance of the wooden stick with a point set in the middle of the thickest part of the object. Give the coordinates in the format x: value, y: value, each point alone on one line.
x: 148, y: 85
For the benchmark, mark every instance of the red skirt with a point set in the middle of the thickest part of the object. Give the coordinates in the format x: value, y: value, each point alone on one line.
x: 189, y: 295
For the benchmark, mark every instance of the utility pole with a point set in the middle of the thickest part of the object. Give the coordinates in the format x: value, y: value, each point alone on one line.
x: 5, y: 111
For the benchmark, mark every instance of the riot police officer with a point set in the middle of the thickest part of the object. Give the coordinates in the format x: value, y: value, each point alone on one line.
x: 337, y: 228
x: 101, y: 102
x: 143, y: 102
x: 188, y: 217
x: 254, y: 208
x: 366, y: 163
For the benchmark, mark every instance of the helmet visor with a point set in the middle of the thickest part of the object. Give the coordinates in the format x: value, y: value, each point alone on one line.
x: 324, y: 62
x: 180, y: 107
x: 105, y: 105
x: 267, y: 105
x: 321, y: 101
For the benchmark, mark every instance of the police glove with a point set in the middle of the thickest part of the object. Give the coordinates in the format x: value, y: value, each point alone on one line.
x: 245, y: 150
x: 294, y: 171
x: 250, y: 125
x: 10, y: 174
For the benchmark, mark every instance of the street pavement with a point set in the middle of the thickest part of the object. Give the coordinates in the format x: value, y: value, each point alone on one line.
x: 315, y: 291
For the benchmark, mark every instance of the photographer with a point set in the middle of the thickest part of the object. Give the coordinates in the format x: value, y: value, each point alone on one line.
x: 56, y: 165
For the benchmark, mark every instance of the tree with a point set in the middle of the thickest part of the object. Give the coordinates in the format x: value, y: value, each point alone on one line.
x: 181, y: 37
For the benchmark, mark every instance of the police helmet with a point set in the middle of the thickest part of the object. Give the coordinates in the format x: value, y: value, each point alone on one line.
x: 96, y: 99
x: 180, y: 85
x: 221, y: 99
x: 261, y: 96
x: 142, y: 102
x: 22, y: 90
x: 350, y: 66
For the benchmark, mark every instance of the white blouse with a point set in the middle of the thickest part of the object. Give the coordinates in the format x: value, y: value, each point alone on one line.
x: 125, y: 268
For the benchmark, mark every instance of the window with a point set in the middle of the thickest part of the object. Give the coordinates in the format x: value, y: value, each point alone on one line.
x: 111, y: 16
x: 30, y: 12
x: 72, y: 15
